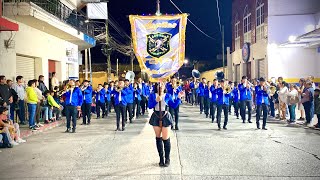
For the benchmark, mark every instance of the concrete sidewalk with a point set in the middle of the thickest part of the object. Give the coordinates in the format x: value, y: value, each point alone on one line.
x: 26, y: 132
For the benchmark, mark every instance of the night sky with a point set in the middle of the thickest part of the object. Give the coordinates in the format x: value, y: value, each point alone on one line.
x: 202, y: 12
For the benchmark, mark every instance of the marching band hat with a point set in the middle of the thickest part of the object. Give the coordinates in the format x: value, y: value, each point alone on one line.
x: 262, y: 79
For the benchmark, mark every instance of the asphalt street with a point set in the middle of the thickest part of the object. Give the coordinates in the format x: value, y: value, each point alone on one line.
x: 199, y: 151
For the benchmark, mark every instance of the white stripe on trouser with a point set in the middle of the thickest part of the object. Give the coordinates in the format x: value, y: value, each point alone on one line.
x: 17, y: 128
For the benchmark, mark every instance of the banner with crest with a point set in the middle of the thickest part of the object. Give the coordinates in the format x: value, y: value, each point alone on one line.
x: 159, y: 44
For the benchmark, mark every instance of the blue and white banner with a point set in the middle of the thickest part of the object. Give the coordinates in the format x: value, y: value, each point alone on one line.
x: 159, y: 44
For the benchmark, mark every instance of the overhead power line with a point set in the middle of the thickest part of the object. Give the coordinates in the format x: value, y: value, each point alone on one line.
x: 192, y: 22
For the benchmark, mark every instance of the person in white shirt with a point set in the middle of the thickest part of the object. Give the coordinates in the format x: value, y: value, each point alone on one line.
x: 54, y: 80
x: 293, y: 99
x: 20, y: 89
x: 283, y: 93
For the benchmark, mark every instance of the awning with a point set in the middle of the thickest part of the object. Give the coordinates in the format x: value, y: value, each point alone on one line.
x: 6, y: 25
x: 310, y: 39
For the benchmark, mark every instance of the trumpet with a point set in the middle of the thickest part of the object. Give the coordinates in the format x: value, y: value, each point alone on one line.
x: 177, y: 84
x: 62, y: 92
x: 249, y: 83
x: 82, y: 87
x: 119, y: 89
x: 227, y: 90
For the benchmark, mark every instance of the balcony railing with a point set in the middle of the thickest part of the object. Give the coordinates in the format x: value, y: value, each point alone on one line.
x: 63, y: 13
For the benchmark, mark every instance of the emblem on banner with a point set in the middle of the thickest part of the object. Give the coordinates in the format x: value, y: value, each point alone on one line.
x: 158, y: 44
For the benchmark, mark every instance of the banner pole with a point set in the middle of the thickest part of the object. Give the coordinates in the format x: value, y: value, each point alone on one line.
x: 158, y: 13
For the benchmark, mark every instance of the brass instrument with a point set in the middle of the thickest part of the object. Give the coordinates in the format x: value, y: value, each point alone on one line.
x: 130, y: 76
x: 227, y: 90
x: 119, y: 89
x: 273, y: 89
x: 250, y: 84
x: 177, y: 84
x: 82, y: 87
x: 196, y: 74
x: 62, y: 92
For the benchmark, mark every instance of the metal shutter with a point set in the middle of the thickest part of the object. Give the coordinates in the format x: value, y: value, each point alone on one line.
x: 25, y: 67
x: 261, y: 68
x: 237, y: 73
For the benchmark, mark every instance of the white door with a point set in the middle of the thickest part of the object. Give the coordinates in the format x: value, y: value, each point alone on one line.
x: 25, y: 67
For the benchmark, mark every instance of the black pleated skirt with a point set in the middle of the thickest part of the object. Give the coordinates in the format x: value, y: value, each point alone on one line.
x: 166, y: 119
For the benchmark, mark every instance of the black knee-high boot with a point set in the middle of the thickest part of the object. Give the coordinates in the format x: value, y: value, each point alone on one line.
x: 167, y: 149
x: 160, y: 150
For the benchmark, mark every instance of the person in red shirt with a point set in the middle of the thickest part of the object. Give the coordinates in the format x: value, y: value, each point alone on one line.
x: 187, y: 90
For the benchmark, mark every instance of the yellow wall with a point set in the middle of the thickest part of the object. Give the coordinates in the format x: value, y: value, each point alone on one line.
x: 97, y: 78
x: 211, y: 75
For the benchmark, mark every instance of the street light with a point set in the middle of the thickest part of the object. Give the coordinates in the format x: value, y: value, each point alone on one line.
x: 186, y: 61
x: 98, y: 22
x: 292, y: 39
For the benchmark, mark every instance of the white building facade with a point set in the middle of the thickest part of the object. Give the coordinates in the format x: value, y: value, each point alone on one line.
x: 266, y: 26
x: 50, y: 36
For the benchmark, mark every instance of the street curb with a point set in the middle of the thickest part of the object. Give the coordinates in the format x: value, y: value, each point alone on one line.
x: 27, y: 133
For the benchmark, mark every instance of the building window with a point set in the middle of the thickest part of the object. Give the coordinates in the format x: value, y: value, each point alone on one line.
x: 260, y: 13
x: 247, y: 25
x: 260, y: 20
x: 237, y: 35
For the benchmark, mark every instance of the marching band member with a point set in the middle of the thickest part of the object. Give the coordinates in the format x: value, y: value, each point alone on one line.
x: 193, y: 91
x: 137, y: 100
x: 201, y: 94
x: 231, y: 84
x: 107, y: 98
x: 120, y: 104
x: 245, y: 99
x: 149, y: 90
x: 174, y: 90
x: 129, y: 96
x: 161, y: 120
x: 100, y: 101
x: 87, y: 101
x: 144, y: 95
x: 262, y: 101
x: 236, y: 98
x: 213, y: 103
x: 73, y: 101
x: 111, y: 88
x: 223, y: 104
x: 207, y: 99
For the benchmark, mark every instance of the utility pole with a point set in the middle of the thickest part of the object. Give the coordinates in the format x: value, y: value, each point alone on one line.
x: 132, y: 58
x: 90, y: 67
x: 223, y: 50
x: 118, y: 68
x: 108, y: 51
x: 86, y: 64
